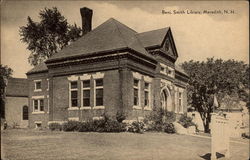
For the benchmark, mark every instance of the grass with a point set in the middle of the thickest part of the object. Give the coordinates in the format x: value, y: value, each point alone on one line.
x: 40, y: 145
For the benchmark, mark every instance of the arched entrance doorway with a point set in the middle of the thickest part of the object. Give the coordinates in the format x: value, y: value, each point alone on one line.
x: 166, y: 101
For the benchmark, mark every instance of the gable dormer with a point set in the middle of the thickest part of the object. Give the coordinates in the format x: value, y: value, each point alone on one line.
x: 168, y: 46
x: 159, y: 42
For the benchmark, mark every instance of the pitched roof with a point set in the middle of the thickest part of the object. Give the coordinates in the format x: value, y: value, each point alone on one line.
x: 153, y: 38
x: 109, y: 36
x: 41, y: 67
x: 17, y: 87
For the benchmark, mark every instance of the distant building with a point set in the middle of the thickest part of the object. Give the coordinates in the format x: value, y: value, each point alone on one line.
x: 16, y: 103
x: 110, y: 70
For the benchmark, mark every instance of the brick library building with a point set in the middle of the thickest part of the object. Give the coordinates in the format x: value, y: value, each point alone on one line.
x: 111, y: 69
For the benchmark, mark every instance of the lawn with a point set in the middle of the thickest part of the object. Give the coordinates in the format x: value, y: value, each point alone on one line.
x: 40, y: 145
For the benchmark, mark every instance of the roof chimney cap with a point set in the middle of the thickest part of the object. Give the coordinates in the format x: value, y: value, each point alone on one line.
x: 86, y: 15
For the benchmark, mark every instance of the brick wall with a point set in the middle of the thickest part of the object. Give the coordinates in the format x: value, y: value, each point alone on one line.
x: 118, y: 90
x: 41, y: 117
x: 111, y: 98
x: 14, y: 110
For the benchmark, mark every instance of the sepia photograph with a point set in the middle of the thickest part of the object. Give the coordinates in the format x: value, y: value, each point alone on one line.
x: 124, y: 80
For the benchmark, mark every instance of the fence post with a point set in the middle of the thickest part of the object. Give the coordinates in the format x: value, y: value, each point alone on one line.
x: 213, y: 140
x: 227, y: 138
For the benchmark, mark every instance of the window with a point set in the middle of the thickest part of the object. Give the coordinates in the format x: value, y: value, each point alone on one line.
x: 176, y: 101
x: 73, y: 94
x: 48, y: 84
x: 169, y: 72
x: 136, y: 92
x: 86, y: 93
x: 25, y: 113
x: 38, y: 105
x: 146, y: 94
x: 180, y: 101
x: 41, y: 105
x: 162, y: 69
x: 48, y: 105
x: 98, y: 92
x: 35, y: 105
x: 38, y: 85
x: 38, y: 124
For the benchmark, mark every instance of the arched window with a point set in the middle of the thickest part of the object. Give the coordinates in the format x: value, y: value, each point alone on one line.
x: 25, y: 113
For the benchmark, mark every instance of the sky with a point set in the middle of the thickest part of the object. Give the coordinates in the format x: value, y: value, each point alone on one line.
x: 197, y: 36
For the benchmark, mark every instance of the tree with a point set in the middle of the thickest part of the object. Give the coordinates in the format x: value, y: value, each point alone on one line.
x: 48, y: 36
x: 215, y: 78
x: 5, y: 73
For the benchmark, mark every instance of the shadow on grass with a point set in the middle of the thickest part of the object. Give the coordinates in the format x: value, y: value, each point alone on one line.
x: 208, y: 156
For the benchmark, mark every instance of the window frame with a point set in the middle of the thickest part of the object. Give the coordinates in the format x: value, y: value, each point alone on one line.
x: 25, y: 113
x: 86, y: 89
x: 48, y: 104
x: 180, y: 101
x: 38, y: 89
x: 148, y: 90
x: 137, y: 76
x: 95, y: 89
x: 48, y: 84
x: 138, y: 92
x: 38, y: 110
x: 176, y: 101
x: 70, y: 93
x: 148, y: 80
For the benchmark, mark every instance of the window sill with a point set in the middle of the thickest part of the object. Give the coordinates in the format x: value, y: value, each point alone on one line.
x: 37, y: 90
x: 73, y: 118
x: 85, y: 108
x: 162, y: 72
x: 38, y: 112
x: 137, y: 107
x: 148, y: 108
x: 37, y: 97
x: 73, y: 108
x: 99, y: 107
x: 98, y: 118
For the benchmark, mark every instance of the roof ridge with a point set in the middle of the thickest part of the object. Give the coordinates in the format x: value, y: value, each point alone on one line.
x: 123, y: 39
x: 154, y: 30
x: 123, y: 25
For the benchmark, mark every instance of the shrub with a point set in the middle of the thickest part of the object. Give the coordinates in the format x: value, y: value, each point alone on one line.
x: 55, y: 126
x: 156, y: 119
x: 120, y: 117
x: 85, y: 126
x: 102, y: 125
x: 114, y: 126
x: 136, y: 127
x: 99, y: 125
x: 169, y: 117
x: 168, y: 127
x: 71, y: 126
x: 186, y: 121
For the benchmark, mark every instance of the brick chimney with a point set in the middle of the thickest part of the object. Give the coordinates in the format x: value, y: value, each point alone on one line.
x: 86, y: 14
